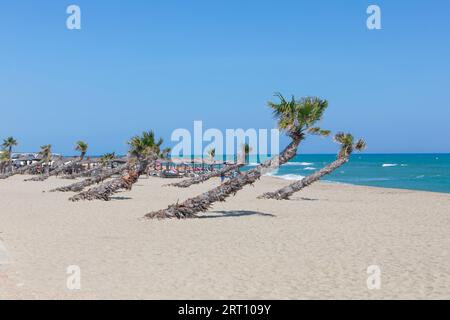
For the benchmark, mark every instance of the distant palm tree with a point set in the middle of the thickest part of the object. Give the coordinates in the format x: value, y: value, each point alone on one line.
x: 206, y: 176
x: 46, y: 156
x: 107, y: 158
x: 82, y: 147
x: 101, y: 176
x: 64, y: 167
x: 4, y: 160
x: 296, y: 117
x: 212, y: 154
x: 8, y: 144
x: 346, y: 141
x: 246, y: 149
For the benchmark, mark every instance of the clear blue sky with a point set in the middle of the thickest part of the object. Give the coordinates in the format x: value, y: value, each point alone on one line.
x: 139, y: 65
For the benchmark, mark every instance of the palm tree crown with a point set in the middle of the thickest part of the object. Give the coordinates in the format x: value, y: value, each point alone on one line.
x: 145, y: 145
x: 298, y: 117
x: 247, y: 149
x: 46, y: 152
x: 8, y: 143
x: 346, y: 140
x: 107, y: 157
x: 212, y: 153
x: 82, y: 147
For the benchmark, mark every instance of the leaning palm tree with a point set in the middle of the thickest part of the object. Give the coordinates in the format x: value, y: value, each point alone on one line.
x: 21, y: 170
x: 100, y: 174
x: 98, y: 178
x: 144, y: 149
x: 346, y: 141
x: 85, y: 172
x: 104, y: 160
x: 64, y: 167
x: 207, y: 176
x: 8, y: 144
x: 296, y: 117
x: 82, y: 147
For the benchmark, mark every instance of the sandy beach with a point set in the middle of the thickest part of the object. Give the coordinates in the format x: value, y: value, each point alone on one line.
x: 317, y: 245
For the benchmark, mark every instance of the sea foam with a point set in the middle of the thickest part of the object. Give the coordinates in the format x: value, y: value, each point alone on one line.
x: 290, y: 177
x: 304, y: 164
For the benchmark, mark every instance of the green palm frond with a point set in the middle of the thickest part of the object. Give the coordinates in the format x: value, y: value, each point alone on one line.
x: 346, y: 140
x: 9, y: 142
x: 81, y: 146
x: 299, y: 116
x: 46, y: 152
x: 212, y: 153
x: 319, y: 132
x: 247, y: 149
x: 360, y: 145
x: 107, y: 157
x: 144, y: 145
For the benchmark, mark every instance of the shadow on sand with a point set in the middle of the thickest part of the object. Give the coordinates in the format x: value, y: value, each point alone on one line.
x: 308, y: 199
x: 236, y: 214
x: 120, y: 198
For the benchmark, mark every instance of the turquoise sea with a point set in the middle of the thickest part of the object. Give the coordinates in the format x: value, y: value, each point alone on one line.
x: 428, y: 172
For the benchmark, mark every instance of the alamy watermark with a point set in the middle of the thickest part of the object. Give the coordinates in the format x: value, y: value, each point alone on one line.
x: 73, y: 281
x: 258, y: 142
x: 374, y: 278
x: 374, y: 19
x: 73, y: 22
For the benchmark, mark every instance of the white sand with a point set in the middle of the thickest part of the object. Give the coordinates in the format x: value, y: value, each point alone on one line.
x: 246, y: 249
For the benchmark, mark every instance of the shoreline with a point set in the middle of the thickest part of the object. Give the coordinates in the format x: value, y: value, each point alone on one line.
x: 359, y: 185
x: 316, y: 246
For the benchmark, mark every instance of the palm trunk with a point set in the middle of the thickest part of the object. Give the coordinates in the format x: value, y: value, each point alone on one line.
x: 106, y: 190
x: 286, y: 192
x: 79, y: 186
x: 191, y: 207
x: 55, y: 171
x: 10, y: 160
x: 22, y: 170
x: 85, y: 173
x: 204, y: 177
